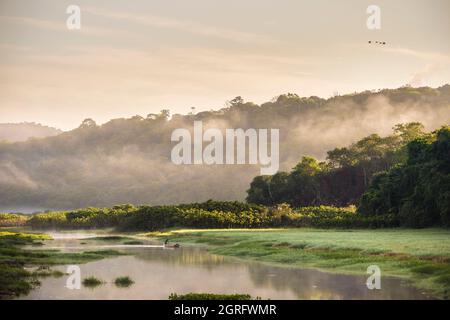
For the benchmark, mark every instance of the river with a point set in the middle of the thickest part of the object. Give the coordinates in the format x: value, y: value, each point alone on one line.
x: 158, y: 272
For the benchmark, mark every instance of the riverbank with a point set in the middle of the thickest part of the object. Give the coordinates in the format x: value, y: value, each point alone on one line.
x: 20, y: 269
x: 422, y: 256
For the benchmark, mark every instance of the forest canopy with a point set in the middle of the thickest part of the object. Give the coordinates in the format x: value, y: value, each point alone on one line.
x: 417, y: 191
x: 342, y: 178
x: 404, y: 176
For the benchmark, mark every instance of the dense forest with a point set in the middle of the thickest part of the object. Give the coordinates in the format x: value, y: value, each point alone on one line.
x: 128, y: 160
x: 417, y: 191
x: 405, y: 176
x: 342, y: 178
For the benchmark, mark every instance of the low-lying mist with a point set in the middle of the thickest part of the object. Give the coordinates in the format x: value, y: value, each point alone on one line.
x: 128, y: 160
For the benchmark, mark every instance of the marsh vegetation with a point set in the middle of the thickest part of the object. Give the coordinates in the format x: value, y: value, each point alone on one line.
x: 20, y: 268
x: 123, y: 282
x: 92, y: 282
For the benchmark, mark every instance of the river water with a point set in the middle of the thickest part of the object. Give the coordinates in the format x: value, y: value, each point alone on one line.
x: 158, y: 272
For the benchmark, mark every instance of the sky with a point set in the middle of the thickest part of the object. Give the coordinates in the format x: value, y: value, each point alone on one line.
x: 138, y: 57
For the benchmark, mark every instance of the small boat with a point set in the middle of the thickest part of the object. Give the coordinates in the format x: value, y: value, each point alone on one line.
x: 167, y: 245
x: 174, y: 246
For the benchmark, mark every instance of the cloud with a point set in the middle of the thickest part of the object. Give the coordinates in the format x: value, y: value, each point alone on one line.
x: 36, y: 23
x: 60, y: 26
x: 420, y: 76
x: 183, y: 26
x: 435, y: 56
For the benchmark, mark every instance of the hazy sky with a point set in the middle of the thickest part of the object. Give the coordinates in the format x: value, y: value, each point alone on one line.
x: 138, y: 57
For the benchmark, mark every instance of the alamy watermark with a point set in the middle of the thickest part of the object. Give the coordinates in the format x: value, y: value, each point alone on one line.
x: 374, y: 281
x: 74, y: 280
x: 237, y: 146
x: 73, y: 21
x: 374, y: 20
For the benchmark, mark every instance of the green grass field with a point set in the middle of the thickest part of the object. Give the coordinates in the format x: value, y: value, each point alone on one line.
x: 420, y: 255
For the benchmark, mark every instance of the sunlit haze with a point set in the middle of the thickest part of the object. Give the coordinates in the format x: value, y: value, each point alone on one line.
x: 138, y: 57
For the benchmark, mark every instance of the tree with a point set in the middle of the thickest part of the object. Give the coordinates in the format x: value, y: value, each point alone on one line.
x: 341, y: 157
x: 88, y: 123
x: 409, y: 131
x: 164, y: 115
x: 259, y: 191
x: 347, y: 172
x: 418, y: 191
x: 303, y: 182
x: 307, y: 167
x: 236, y: 102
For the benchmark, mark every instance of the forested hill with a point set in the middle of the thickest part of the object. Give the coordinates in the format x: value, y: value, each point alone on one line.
x: 128, y: 160
x: 13, y: 132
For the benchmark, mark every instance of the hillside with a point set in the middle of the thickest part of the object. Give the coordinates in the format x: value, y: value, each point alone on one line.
x: 14, y: 132
x: 128, y: 160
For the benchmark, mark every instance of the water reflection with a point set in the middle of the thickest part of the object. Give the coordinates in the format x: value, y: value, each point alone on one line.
x: 157, y: 272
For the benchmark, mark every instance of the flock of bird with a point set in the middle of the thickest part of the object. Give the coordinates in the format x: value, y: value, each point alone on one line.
x: 377, y: 42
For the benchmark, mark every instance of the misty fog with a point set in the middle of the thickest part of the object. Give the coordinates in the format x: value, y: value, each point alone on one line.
x: 128, y: 160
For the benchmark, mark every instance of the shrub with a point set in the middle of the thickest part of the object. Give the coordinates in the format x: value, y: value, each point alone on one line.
x: 154, y: 218
x: 123, y: 282
x: 92, y: 282
x: 12, y: 220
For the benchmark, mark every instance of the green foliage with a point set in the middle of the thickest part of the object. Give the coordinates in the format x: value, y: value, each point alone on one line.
x: 417, y: 193
x: 227, y: 206
x: 14, y: 279
x: 82, y: 218
x: 12, y: 220
x: 209, y: 296
x: 123, y: 282
x: 49, y: 220
x: 342, y: 179
x: 92, y: 282
x: 215, y: 214
x: 20, y: 238
x: 331, y: 217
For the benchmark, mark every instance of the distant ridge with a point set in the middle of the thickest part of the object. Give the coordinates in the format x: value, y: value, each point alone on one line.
x: 14, y: 132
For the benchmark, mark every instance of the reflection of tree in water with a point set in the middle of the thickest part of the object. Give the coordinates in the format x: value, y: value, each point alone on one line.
x: 185, y: 256
x: 313, y: 284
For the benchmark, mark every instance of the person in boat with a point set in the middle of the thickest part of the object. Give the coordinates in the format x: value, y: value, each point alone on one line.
x: 166, y: 244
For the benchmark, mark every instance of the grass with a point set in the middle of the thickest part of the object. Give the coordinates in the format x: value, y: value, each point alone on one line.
x: 92, y: 282
x: 209, y: 296
x: 420, y: 255
x: 46, y: 271
x: 123, y: 282
x: 15, y: 280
